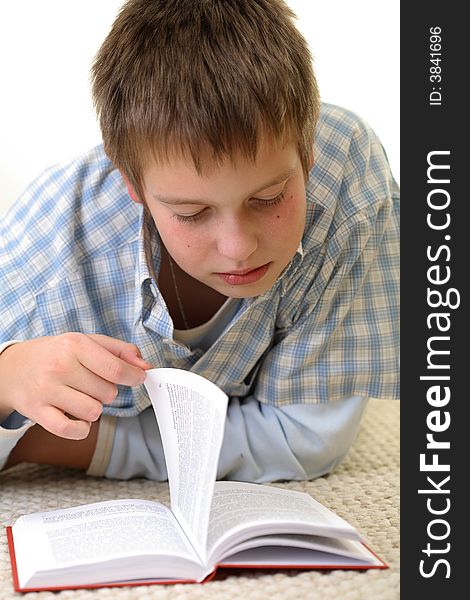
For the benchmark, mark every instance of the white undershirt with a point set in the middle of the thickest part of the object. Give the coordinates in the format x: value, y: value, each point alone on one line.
x: 205, y: 335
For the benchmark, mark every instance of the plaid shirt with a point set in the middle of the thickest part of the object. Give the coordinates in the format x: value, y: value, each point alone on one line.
x: 72, y: 259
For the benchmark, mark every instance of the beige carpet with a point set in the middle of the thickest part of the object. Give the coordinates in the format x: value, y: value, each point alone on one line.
x: 364, y: 490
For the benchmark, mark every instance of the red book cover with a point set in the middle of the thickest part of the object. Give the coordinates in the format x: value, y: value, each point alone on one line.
x: 223, y: 565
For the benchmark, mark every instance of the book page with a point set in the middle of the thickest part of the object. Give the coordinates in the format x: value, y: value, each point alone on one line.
x: 240, y: 511
x: 314, y: 549
x: 279, y: 556
x: 191, y: 413
x: 96, y: 532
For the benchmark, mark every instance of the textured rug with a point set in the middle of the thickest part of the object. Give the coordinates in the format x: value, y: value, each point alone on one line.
x: 364, y: 490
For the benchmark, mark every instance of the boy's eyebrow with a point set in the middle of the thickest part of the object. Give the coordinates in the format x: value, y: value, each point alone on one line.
x: 174, y: 200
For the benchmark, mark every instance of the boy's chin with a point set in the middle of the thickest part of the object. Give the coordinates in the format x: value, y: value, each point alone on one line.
x: 244, y: 291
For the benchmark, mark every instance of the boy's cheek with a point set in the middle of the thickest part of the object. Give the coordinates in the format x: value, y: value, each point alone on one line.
x: 289, y: 219
x: 186, y: 248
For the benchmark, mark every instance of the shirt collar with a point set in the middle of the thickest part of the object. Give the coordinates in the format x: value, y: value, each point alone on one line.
x: 143, y: 272
x: 144, y: 281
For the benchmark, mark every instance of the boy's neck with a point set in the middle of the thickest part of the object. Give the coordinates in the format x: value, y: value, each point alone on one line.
x: 190, y: 302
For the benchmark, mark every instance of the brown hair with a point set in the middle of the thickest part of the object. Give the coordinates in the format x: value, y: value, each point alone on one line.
x: 202, y: 78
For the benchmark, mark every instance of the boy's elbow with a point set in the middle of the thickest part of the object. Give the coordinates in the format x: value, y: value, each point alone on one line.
x: 321, y: 463
x: 320, y: 436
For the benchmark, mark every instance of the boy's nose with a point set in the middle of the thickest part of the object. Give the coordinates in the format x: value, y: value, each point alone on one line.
x: 236, y: 241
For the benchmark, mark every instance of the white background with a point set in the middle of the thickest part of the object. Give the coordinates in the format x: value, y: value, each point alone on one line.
x: 47, y: 46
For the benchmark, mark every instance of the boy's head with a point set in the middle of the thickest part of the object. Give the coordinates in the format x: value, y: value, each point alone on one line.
x: 207, y: 80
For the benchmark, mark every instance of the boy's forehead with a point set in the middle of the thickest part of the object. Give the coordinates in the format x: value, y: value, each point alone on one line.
x: 179, y: 175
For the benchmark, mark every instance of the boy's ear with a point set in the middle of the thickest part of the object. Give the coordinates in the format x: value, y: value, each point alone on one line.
x: 311, y: 159
x: 130, y: 189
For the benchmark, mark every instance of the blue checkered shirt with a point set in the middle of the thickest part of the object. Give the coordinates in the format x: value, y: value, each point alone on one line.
x: 72, y: 259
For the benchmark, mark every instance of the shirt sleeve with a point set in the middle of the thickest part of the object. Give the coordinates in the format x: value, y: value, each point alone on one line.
x: 11, y: 431
x: 265, y: 443
x: 5, y: 345
x: 261, y: 443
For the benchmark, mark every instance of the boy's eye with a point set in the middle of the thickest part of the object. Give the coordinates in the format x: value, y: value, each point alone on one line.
x: 190, y: 218
x: 200, y: 215
x: 271, y: 201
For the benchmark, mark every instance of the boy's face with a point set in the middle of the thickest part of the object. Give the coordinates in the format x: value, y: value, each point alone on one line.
x: 235, y: 227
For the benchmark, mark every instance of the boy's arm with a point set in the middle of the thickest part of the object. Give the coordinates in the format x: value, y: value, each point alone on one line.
x: 261, y: 443
x: 265, y: 443
x: 341, y: 348
x: 32, y: 443
x: 41, y: 380
x: 21, y: 440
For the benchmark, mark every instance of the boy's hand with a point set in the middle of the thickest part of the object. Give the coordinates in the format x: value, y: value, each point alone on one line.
x: 62, y: 382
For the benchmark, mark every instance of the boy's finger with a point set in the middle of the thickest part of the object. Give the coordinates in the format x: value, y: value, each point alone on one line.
x: 124, y: 350
x: 78, y: 405
x: 57, y: 423
x: 90, y: 384
x: 107, y: 365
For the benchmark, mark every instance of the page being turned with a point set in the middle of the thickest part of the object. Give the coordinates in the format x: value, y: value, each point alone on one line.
x: 191, y: 413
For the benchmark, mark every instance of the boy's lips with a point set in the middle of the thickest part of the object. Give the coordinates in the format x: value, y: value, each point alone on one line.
x: 245, y: 276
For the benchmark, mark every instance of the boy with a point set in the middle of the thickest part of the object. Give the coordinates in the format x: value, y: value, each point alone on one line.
x: 255, y: 253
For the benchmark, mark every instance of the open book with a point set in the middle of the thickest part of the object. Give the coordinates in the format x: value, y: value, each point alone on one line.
x: 209, y: 524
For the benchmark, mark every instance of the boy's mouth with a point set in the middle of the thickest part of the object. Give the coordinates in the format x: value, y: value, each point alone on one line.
x: 245, y: 276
